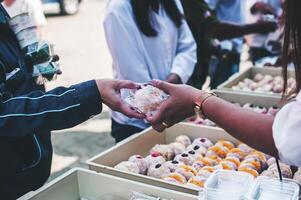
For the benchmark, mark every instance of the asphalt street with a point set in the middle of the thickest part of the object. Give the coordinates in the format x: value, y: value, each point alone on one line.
x: 80, y: 43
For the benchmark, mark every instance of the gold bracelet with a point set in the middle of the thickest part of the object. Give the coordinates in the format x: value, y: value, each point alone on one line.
x: 198, y: 108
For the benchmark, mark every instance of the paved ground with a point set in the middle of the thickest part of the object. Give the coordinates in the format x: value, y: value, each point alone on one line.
x: 81, y: 45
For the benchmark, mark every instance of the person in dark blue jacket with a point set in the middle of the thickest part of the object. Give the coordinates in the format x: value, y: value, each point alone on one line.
x: 30, y: 113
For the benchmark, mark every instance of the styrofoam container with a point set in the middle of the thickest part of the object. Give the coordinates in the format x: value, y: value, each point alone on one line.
x: 267, y: 188
x: 80, y: 184
x: 141, y: 143
x: 250, y: 73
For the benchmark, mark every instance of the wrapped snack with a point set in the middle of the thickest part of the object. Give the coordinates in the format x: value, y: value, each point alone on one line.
x: 175, y: 178
x: 177, y: 148
x: 194, y: 155
x: 285, y: 170
x: 154, y: 159
x: 228, y: 165
x: 199, y: 149
x: 158, y: 171
x: 219, y: 151
x: 140, y: 162
x: 183, y: 139
x: 225, y: 143
x: 127, y: 166
x: 249, y: 170
x: 245, y: 148
x: 204, y: 173
x: 198, y: 165
x: 147, y: 99
x: 164, y: 150
x: 173, y: 165
x: 234, y: 160
x: 187, y: 171
x: 185, y: 158
x: 254, y: 162
x: 203, y: 142
x: 197, y: 182
x: 259, y: 156
x: 208, y: 161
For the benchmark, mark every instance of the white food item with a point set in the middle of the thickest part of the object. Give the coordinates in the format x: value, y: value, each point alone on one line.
x: 147, y: 99
x: 128, y: 166
x: 183, y: 139
x: 140, y: 162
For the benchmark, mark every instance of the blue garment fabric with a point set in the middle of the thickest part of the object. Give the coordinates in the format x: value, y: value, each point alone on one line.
x: 27, y: 118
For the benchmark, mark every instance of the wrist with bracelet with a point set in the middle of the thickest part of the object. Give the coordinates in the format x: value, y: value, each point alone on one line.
x: 200, y: 101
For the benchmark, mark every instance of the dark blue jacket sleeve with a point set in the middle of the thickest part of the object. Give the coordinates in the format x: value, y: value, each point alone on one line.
x: 54, y: 110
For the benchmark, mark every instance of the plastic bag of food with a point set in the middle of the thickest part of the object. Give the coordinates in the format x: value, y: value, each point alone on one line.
x: 146, y: 99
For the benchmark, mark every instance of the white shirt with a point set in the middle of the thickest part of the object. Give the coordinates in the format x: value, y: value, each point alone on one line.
x: 140, y: 58
x: 258, y: 40
x: 33, y: 7
x: 287, y: 133
x: 232, y: 11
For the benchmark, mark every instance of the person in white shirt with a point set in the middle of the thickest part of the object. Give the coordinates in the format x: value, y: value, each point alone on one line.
x: 32, y: 7
x: 277, y: 136
x: 148, y: 40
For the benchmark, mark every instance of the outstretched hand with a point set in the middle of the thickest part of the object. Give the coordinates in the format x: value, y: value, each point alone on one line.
x: 110, y: 94
x: 176, y: 108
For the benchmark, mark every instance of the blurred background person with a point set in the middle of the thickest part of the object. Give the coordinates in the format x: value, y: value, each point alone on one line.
x: 230, y: 11
x: 33, y: 7
x: 147, y: 40
x: 206, y: 27
x: 264, y: 45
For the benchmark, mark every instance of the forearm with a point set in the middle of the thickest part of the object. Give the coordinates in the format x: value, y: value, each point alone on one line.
x: 57, y: 109
x: 249, y: 127
x: 225, y: 30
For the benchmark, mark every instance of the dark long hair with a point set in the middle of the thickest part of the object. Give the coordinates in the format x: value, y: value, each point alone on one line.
x: 142, y: 9
x: 292, y: 42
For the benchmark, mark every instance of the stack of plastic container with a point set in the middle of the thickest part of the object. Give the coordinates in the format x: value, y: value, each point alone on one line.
x: 265, y: 188
x: 224, y: 185
x: 227, y: 185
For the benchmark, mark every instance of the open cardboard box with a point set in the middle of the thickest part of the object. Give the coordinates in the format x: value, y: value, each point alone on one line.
x: 84, y: 184
x: 141, y: 143
x: 264, y: 101
x: 250, y: 73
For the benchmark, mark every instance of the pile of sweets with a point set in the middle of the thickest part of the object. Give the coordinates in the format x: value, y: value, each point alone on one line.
x: 147, y: 99
x: 272, y: 170
x: 258, y: 109
x: 190, y: 163
x: 265, y: 83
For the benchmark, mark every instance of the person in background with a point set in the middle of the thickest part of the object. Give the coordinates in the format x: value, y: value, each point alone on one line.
x: 257, y: 10
x: 277, y: 136
x: 205, y: 27
x: 148, y: 40
x: 231, y: 11
x: 33, y: 7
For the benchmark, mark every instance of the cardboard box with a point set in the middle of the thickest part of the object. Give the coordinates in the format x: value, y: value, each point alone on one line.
x: 241, y: 98
x: 141, y: 143
x: 80, y: 183
x: 250, y: 73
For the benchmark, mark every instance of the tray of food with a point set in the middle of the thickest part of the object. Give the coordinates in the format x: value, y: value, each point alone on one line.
x: 259, y: 81
x: 181, y: 158
x: 82, y: 184
x: 267, y: 105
